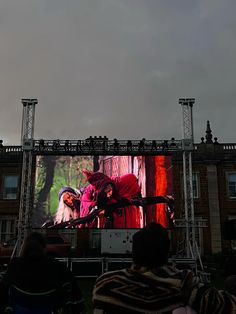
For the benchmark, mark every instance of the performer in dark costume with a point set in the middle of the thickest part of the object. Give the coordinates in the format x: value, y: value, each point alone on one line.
x: 103, y: 191
x: 107, y: 202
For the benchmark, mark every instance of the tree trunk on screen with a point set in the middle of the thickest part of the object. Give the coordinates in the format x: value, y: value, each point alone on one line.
x: 41, y: 215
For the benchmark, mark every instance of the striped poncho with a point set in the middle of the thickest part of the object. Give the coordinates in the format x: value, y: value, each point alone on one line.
x: 158, y: 290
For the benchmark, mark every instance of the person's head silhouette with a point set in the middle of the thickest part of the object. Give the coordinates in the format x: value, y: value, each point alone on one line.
x: 34, y: 245
x: 151, y: 246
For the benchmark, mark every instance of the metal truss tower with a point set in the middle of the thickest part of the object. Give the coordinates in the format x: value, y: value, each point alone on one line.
x: 103, y: 146
x: 27, y: 142
x: 191, y: 248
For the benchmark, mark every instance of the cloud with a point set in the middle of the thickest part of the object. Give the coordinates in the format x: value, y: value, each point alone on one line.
x: 117, y: 67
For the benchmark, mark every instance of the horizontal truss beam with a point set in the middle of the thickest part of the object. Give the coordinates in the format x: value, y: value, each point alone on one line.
x: 106, y: 147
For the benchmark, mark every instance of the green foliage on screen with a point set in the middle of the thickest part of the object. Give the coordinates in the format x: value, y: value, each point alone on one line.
x: 68, y: 171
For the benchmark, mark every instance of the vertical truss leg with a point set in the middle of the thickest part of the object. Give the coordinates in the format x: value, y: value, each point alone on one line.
x: 24, y: 222
x: 27, y: 140
x: 187, y: 145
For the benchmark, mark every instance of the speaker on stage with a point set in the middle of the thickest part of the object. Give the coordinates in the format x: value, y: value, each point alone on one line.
x: 229, y: 229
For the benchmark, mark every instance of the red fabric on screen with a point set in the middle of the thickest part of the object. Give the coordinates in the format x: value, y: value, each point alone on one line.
x: 128, y: 187
x: 163, y: 177
x: 125, y: 186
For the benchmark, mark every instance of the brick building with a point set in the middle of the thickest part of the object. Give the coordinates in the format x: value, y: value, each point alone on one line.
x: 10, y: 180
x: 214, y: 190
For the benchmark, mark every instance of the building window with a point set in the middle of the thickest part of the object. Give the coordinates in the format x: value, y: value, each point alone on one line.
x: 231, y: 185
x: 7, y: 227
x: 10, y: 187
x: 195, y: 185
x: 196, y: 189
x: 232, y: 232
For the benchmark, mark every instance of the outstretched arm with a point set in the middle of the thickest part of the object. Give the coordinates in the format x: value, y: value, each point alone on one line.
x: 142, y: 201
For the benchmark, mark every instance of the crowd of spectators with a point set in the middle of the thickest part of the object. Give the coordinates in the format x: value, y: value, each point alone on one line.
x: 150, y: 285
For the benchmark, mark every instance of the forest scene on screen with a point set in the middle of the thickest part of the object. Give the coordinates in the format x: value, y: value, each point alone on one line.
x: 103, y: 191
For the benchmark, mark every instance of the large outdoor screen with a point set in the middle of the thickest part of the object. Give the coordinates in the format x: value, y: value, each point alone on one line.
x: 102, y: 191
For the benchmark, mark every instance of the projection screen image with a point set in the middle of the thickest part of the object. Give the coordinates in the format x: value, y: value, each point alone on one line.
x: 102, y: 191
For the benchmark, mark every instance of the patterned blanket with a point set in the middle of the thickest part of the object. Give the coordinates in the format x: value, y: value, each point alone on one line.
x: 158, y: 290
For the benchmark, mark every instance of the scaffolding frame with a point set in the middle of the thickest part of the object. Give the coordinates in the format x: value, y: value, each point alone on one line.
x: 104, y: 146
x: 188, y: 140
x: 27, y: 140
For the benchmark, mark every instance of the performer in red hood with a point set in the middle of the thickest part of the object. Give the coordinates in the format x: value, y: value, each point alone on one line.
x: 104, y: 190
